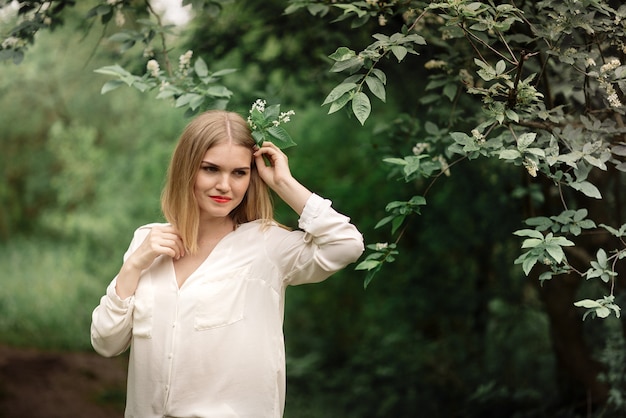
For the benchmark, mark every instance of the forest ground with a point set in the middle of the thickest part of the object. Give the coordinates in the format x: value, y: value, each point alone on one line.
x: 41, y: 384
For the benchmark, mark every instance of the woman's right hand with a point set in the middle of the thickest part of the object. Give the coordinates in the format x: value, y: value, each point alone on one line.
x: 161, y: 240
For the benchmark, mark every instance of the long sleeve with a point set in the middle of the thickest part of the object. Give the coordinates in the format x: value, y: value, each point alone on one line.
x: 112, y: 319
x: 327, y: 243
x: 111, y: 323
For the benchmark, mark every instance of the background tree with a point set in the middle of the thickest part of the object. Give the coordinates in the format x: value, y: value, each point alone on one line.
x: 547, y: 147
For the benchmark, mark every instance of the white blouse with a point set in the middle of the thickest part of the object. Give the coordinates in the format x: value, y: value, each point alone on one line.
x: 214, y: 347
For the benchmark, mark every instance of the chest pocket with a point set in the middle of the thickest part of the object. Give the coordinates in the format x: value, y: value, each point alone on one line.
x: 220, y: 301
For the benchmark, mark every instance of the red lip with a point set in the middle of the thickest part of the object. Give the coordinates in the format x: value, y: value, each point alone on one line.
x: 221, y: 199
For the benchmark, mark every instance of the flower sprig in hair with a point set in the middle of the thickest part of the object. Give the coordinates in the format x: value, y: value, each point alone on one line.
x: 265, y: 123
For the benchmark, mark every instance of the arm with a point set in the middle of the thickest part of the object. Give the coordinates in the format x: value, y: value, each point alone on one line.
x: 112, y: 319
x: 161, y: 240
x: 329, y: 241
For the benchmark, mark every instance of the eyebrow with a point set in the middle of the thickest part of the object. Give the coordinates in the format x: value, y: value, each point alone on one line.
x: 218, y: 166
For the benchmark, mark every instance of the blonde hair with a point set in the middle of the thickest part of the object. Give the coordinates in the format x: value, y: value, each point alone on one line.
x: 178, y: 201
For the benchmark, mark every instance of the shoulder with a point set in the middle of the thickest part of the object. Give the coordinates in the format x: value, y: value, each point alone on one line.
x: 262, y: 228
x: 142, y: 232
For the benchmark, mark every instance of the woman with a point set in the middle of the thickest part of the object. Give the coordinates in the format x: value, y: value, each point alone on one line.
x: 200, y: 300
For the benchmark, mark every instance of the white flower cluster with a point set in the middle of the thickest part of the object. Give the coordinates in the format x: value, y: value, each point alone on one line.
x: 10, y: 42
x: 381, y: 246
x: 612, y: 64
x: 284, y: 117
x: 435, y: 64
x: 259, y: 105
x: 420, y: 147
x: 530, y: 166
x: 184, y: 62
x: 153, y: 68
x: 480, y: 138
x: 605, y: 83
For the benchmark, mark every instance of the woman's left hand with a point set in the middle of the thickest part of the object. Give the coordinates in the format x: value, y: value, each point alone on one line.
x: 278, y: 176
x: 278, y: 172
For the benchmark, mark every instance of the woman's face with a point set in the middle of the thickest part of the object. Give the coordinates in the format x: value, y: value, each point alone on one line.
x: 222, y: 180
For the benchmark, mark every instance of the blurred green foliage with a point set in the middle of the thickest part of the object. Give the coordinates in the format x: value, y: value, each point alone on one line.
x: 450, y: 329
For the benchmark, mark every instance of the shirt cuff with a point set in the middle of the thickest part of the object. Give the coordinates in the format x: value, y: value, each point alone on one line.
x: 314, y: 206
x: 115, y: 301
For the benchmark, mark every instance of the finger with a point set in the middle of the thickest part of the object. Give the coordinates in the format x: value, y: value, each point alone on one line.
x: 175, y: 242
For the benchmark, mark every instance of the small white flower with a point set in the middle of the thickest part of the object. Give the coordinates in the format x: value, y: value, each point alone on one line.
x: 477, y: 135
x: 590, y: 62
x: 466, y: 77
x: 614, y: 100
x: 259, y: 105
x: 120, y: 20
x: 434, y: 64
x: 612, y: 64
x: 381, y: 246
x: 153, y: 68
x: 382, y: 20
x: 10, y: 42
x: 445, y: 168
x: 420, y: 147
x: 284, y: 117
x: 184, y: 62
x: 531, y: 167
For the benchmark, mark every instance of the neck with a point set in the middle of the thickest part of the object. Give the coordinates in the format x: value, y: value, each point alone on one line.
x: 214, y: 228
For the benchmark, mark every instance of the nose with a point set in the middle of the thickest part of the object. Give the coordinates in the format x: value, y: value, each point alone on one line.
x: 223, y: 184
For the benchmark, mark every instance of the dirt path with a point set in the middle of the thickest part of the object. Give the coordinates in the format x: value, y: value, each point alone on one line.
x: 36, y: 384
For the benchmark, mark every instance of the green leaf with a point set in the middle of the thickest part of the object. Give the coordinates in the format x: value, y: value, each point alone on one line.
x: 509, y: 154
x: 342, y: 54
x: 528, y: 233
x: 280, y: 137
x: 529, y: 262
x: 500, y: 67
x: 399, y: 51
x: 512, y: 115
x: 384, y: 221
x: 381, y: 75
x: 587, y: 303
x: 367, y: 265
x: 376, y: 87
x: 339, y: 91
x: 339, y: 103
x: 111, y: 85
x: 259, y: 137
x: 201, y: 68
x: 525, y: 140
x: 114, y: 70
x: 587, y: 189
x: 397, y: 223
x: 531, y: 242
x: 352, y: 65
x: 196, y: 101
x: 224, y: 72
x: 555, y: 252
x: 602, y: 258
x: 361, y: 106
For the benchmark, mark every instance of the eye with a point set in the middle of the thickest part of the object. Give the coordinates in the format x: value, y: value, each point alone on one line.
x: 209, y: 168
x: 241, y: 173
